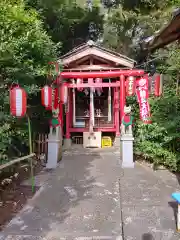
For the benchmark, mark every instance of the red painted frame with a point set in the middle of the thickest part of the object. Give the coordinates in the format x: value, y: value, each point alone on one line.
x: 100, y: 74
x: 95, y: 85
x: 103, y: 74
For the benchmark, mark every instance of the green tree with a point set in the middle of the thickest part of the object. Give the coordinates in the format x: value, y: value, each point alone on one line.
x: 67, y: 22
x: 25, y: 50
x: 131, y: 21
x: 126, y: 25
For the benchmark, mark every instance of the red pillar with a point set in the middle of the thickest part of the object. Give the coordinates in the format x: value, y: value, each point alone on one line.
x: 70, y: 107
x: 114, y: 107
x: 117, y: 111
x: 68, y: 116
x: 61, y: 116
x: 122, y: 96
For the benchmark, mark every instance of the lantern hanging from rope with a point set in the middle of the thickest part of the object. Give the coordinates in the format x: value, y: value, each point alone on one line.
x: 63, y: 93
x: 79, y: 81
x: 46, y: 97
x: 157, y: 85
x: 130, y: 86
x: 18, y: 101
x: 98, y: 89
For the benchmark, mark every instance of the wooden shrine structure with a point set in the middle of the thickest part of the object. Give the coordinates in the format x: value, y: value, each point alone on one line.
x: 168, y: 34
x: 95, y: 79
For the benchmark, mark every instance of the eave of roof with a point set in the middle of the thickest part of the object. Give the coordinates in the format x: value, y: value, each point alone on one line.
x: 91, y: 45
x: 167, y: 35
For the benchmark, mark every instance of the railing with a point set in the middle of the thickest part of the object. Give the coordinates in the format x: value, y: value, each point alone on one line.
x: 40, y: 145
x: 18, y: 160
x: 77, y: 140
x: 12, y: 162
x: 100, y: 122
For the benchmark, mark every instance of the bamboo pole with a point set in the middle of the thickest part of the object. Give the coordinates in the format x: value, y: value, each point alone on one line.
x: 30, y: 152
x: 16, y: 161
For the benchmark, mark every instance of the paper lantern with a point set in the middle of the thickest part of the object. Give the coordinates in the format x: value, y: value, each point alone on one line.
x: 157, y: 85
x: 46, y: 97
x: 18, y: 101
x: 63, y: 93
x: 130, y: 86
x: 79, y: 81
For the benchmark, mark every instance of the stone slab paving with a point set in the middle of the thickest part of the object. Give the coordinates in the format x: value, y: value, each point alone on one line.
x: 80, y: 200
x: 89, y: 196
x: 147, y: 205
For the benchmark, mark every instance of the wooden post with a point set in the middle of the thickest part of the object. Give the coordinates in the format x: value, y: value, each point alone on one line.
x: 91, y: 108
x: 122, y: 96
x: 117, y: 111
x: 74, y: 105
x: 61, y: 116
x: 114, y: 94
x: 68, y: 117
x: 70, y: 108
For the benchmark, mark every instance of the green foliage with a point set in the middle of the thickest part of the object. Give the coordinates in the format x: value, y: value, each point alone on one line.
x: 125, y: 26
x: 25, y: 50
x: 33, y: 33
x: 131, y: 21
x: 67, y: 22
x: 159, y: 142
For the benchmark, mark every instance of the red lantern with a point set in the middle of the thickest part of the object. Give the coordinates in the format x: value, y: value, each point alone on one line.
x: 79, y: 81
x: 46, y: 97
x: 18, y: 101
x: 63, y: 93
x: 157, y: 85
x: 130, y: 86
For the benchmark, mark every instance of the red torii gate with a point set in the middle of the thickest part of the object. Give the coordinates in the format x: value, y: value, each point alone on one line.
x: 101, y: 74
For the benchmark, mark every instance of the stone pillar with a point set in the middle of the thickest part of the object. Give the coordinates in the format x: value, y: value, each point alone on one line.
x: 127, y: 151
x: 54, y: 147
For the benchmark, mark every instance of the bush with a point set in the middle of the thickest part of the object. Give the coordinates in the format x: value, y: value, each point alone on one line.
x: 159, y: 141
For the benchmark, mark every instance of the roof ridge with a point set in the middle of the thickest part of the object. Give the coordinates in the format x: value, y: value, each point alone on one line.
x: 93, y: 44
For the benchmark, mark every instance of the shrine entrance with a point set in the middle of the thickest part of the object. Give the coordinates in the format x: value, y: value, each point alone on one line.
x: 95, y: 78
x: 103, y: 108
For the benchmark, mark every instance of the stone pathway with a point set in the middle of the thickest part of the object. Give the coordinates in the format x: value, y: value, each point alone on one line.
x: 90, y: 197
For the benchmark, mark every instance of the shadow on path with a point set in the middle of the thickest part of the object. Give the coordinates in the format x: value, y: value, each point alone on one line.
x: 147, y: 236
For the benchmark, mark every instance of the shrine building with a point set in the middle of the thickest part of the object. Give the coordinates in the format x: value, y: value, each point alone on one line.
x: 96, y: 83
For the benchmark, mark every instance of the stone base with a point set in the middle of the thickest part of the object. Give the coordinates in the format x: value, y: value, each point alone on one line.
x: 127, y: 164
x: 92, y: 141
x: 127, y: 151
x: 67, y: 143
x: 117, y: 141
